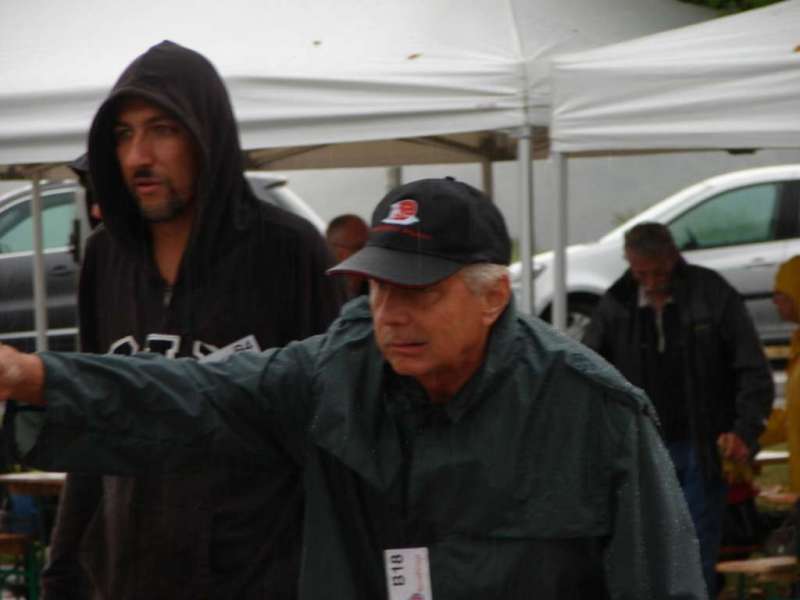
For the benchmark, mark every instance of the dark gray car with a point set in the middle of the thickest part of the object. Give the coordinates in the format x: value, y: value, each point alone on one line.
x: 60, y: 235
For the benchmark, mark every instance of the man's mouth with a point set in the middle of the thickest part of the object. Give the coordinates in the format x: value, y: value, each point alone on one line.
x: 406, y: 347
x: 146, y: 185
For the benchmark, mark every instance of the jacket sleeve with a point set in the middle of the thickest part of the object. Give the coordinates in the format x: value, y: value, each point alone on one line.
x: 185, y: 413
x: 754, y: 387
x: 652, y: 551
x: 63, y: 577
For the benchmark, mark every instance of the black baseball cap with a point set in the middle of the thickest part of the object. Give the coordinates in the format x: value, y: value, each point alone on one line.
x: 424, y: 231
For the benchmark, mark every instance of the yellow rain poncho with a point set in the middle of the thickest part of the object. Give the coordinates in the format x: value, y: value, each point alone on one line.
x: 787, y: 281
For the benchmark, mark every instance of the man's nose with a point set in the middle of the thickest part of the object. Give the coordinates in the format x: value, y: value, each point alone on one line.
x: 138, y: 151
x: 391, y: 308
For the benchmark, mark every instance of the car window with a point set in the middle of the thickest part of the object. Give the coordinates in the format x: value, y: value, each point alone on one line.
x: 741, y: 216
x: 16, y: 225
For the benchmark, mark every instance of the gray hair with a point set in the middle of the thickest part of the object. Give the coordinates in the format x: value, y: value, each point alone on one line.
x: 650, y: 239
x: 479, y: 277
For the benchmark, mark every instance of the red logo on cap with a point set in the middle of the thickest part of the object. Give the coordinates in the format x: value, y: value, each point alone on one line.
x: 402, y: 212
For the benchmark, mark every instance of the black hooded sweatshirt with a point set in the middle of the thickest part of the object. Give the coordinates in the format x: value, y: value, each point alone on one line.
x: 250, y: 269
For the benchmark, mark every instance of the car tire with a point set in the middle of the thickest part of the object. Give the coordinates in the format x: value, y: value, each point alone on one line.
x: 579, y: 314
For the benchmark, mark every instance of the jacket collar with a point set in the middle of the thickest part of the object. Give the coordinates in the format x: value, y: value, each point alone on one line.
x: 496, y: 361
x: 626, y: 291
x: 499, y: 350
x: 349, y: 421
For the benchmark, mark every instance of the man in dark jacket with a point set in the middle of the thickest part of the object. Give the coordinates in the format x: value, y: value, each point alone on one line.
x: 683, y: 334
x: 188, y: 263
x: 451, y: 448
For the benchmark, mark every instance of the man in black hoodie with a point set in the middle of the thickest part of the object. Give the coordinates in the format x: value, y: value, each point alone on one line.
x: 188, y: 263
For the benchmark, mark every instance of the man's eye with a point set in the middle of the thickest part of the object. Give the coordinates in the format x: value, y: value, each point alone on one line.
x: 165, y: 129
x: 121, y: 135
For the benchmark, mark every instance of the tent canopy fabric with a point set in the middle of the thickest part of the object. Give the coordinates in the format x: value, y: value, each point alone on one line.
x: 733, y: 82
x: 311, y: 73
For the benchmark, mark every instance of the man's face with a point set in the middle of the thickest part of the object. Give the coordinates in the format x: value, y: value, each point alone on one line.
x: 787, y: 307
x: 652, y: 273
x: 435, y: 334
x: 157, y: 159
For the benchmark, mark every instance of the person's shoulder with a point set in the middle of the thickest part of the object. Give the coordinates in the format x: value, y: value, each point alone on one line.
x: 98, y: 238
x: 350, y: 332
x: 278, y: 220
x: 568, y: 362
x: 698, y: 273
x: 708, y: 284
x: 100, y: 246
x: 353, y: 325
x: 622, y: 290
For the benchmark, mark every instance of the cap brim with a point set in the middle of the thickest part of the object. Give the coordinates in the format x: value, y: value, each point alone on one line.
x: 401, y: 268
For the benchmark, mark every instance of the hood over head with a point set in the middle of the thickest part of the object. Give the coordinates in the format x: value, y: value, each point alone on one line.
x: 185, y: 84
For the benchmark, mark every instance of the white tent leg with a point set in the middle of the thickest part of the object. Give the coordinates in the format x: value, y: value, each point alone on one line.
x: 526, y: 219
x: 559, y: 312
x: 394, y: 177
x: 39, y: 289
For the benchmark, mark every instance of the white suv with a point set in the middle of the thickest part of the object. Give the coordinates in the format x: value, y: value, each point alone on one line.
x: 741, y: 224
x: 58, y: 224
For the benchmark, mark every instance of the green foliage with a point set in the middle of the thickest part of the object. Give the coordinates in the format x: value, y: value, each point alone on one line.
x: 731, y: 6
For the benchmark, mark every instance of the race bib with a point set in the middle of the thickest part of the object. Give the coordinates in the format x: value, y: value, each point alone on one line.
x: 408, y: 574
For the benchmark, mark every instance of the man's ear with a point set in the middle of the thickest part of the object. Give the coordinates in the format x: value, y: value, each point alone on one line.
x: 495, y: 299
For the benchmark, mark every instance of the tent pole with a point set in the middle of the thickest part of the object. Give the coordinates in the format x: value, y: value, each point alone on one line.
x: 487, y: 178
x: 559, y: 312
x: 39, y: 289
x: 394, y: 177
x: 525, y: 167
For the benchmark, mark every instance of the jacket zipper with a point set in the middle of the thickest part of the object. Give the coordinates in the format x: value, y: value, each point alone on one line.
x: 167, y: 296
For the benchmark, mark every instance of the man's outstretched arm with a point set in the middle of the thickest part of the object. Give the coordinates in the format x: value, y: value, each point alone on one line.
x: 21, y: 376
x: 119, y: 415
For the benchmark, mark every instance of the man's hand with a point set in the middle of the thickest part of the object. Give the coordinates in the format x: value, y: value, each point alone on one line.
x: 21, y: 376
x: 733, y: 448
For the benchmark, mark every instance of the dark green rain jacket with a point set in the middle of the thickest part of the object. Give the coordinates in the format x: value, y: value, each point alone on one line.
x: 544, y: 478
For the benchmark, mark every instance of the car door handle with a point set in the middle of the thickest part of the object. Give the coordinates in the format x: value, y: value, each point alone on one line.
x: 62, y: 270
x: 760, y: 263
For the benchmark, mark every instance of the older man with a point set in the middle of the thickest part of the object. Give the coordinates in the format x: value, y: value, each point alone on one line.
x: 682, y: 333
x: 450, y: 447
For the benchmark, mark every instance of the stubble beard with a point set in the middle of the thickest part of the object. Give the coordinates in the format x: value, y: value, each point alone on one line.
x: 162, y: 212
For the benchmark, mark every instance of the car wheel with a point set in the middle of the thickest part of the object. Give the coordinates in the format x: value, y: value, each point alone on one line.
x: 579, y: 315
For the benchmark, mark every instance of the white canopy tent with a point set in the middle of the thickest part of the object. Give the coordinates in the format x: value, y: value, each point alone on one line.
x: 314, y: 83
x: 730, y: 83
